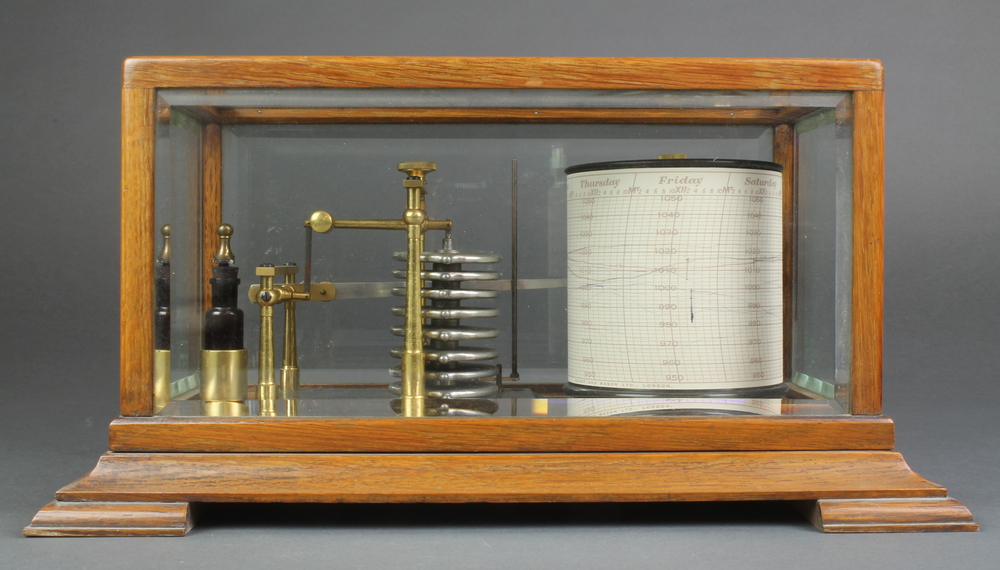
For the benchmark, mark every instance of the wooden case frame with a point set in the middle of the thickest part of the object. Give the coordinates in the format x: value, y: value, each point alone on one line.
x: 843, y: 469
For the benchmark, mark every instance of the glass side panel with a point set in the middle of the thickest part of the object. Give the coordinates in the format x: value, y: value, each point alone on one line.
x: 821, y: 356
x: 275, y: 175
x: 178, y: 173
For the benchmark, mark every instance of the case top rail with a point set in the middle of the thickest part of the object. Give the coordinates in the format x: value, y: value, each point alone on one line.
x: 504, y: 72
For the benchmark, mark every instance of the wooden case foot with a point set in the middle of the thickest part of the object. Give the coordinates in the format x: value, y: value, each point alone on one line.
x: 927, y: 514
x: 66, y: 518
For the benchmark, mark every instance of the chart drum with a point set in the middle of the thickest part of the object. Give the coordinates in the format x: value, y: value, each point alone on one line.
x: 675, y: 277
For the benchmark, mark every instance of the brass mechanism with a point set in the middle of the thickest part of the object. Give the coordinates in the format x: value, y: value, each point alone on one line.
x: 414, y: 221
x: 267, y: 295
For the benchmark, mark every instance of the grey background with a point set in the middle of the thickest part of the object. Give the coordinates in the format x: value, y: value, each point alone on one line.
x: 59, y: 166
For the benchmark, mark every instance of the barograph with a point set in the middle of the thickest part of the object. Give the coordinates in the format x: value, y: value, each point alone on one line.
x: 449, y: 280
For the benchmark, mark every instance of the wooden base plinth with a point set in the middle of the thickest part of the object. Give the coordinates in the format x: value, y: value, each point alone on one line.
x: 847, y: 491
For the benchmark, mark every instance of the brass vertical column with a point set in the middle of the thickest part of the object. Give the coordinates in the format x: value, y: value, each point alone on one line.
x: 267, y: 389
x: 413, y: 390
x: 289, y: 353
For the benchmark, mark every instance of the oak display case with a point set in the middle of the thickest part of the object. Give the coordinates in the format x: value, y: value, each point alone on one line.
x: 234, y: 159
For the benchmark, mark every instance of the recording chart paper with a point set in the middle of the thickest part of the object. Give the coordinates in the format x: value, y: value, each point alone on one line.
x: 675, y: 278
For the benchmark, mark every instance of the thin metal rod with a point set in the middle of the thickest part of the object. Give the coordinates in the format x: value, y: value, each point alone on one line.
x: 513, y: 268
x: 309, y: 258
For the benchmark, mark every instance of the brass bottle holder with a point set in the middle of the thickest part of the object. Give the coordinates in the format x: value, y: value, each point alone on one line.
x: 161, y: 379
x: 268, y: 294
x: 224, y: 375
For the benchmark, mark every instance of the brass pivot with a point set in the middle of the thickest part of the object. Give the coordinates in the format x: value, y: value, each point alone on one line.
x: 225, y: 254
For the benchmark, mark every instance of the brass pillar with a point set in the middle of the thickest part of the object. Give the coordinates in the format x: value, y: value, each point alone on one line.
x: 267, y: 389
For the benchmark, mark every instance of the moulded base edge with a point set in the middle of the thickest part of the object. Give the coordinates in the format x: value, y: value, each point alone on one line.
x: 842, y: 491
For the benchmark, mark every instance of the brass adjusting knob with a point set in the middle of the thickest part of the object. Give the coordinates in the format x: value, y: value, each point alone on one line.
x: 417, y: 169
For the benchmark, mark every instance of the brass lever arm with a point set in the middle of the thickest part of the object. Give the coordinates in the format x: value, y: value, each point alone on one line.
x: 322, y: 222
